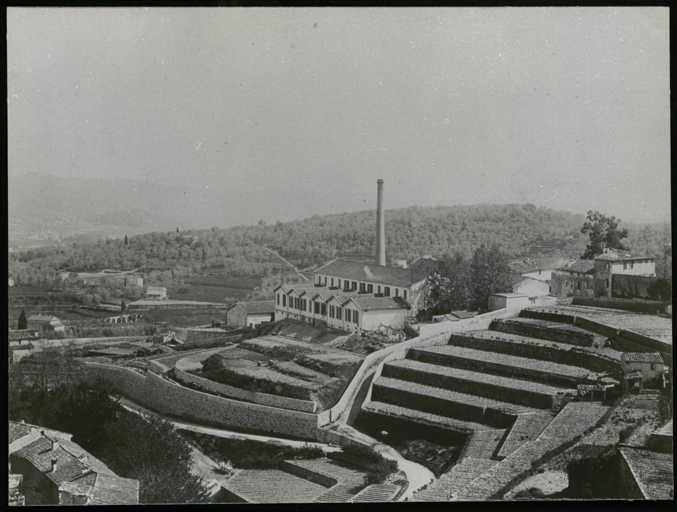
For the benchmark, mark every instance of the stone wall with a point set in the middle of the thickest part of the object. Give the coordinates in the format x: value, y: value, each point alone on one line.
x: 579, y: 339
x: 243, y: 394
x: 629, y: 286
x: 573, y: 357
x: 637, y: 306
x: 489, y: 390
x: 494, y: 368
x: 169, y: 398
x: 193, y: 335
x: 307, y: 474
x: 544, y: 315
x: 441, y: 407
x: 596, y: 327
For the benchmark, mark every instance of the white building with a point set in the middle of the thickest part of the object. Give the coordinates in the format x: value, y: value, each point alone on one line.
x: 508, y: 301
x: 650, y: 364
x: 347, y: 311
x: 156, y: 292
x: 45, y: 323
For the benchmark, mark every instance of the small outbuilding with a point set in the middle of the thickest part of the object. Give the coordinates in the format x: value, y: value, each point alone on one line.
x: 250, y: 314
x: 508, y: 301
x: 156, y: 292
x: 649, y: 364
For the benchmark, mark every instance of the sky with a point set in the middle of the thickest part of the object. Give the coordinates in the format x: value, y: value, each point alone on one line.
x: 567, y: 108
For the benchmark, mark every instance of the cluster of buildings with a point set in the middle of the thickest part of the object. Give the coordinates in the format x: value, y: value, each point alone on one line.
x: 61, y: 471
x: 94, y: 278
x: 594, y: 278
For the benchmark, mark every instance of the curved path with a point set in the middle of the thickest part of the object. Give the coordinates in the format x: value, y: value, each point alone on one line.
x: 219, y: 432
x: 417, y: 475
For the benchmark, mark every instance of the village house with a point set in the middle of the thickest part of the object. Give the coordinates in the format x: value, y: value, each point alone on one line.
x: 45, y: 323
x: 62, y: 471
x: 593, y: 278
x: 650, y: 364
x: 250, y: 314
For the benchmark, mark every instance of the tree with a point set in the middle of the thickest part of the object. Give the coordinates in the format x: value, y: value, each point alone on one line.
x: 126, y: 240
x: 23, y: 322
x: 177, y: 229
x: 448, y: 288
x: 489, y: 273
x: 603, y: 232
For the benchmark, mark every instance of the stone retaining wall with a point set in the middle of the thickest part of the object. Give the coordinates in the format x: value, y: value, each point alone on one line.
x: 307, y: 474
x: 172, y: 399
x: 442, y: 407
x: 579, y: 339
x: 573, y: 357
x: 543, y: 315
x: 193, y: 335
x: 489, y: 390
x: 492, y: 368
x: 243, y: 394
x: 649, y: 343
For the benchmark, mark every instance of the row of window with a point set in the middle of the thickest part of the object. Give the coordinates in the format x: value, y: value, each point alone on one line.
x: 364, y: 287
x: 319, y: 308
x: 337, y: 312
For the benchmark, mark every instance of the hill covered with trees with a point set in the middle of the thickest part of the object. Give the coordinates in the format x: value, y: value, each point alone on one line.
x: 519, y: 231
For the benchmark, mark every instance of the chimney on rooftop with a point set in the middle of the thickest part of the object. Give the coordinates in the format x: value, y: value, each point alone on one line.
x: 53, y: 465
x: 55, y: 445
x: 380, y: 228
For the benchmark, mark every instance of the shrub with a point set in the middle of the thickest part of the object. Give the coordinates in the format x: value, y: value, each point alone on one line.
x: 377, y: 467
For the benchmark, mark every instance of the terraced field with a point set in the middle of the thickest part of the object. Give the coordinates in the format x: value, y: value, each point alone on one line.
x: 305, y: 481
x: 282, y: 367
x: 507, y: 393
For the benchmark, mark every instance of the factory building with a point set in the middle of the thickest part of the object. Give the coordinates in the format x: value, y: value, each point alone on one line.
x: 352, y: 296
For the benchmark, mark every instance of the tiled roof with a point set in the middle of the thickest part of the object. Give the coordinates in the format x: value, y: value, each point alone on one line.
x: 392, y: 276
x: 259, y: 307
x: 580, y: 266
x: 368, y: 303
x: 652, y: 471
x: 77, y: 471
x: 524, y: 266
x: 641, y: 357
x: 40, y: 454
x: 616, y: 255
x: 18, y: 430
x: 41, y: 318
x: 425, y: 264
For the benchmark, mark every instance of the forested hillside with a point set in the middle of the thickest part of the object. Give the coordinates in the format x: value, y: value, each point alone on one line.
x: 519, y: 230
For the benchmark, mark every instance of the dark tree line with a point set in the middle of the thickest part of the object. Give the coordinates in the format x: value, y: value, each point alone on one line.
x: 46, y: 389
x: 246, y: 250
x: 466, y: 283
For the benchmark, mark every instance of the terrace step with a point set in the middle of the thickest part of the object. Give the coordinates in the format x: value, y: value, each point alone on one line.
x: 500, y: 388
x: 504, y: 364
x: 594, y: 359
x: 450, y: 483
x: 526, y: 428
x: 446, y: 402
x: 396, y: 411
x: 549, y: 330
x: 376, y: 493
x: 338, y: 494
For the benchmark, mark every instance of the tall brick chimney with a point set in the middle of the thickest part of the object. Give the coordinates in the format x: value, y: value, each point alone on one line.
x: 380, y: 227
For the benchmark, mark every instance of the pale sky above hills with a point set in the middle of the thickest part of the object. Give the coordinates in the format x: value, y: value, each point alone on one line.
x: 567, y: 108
